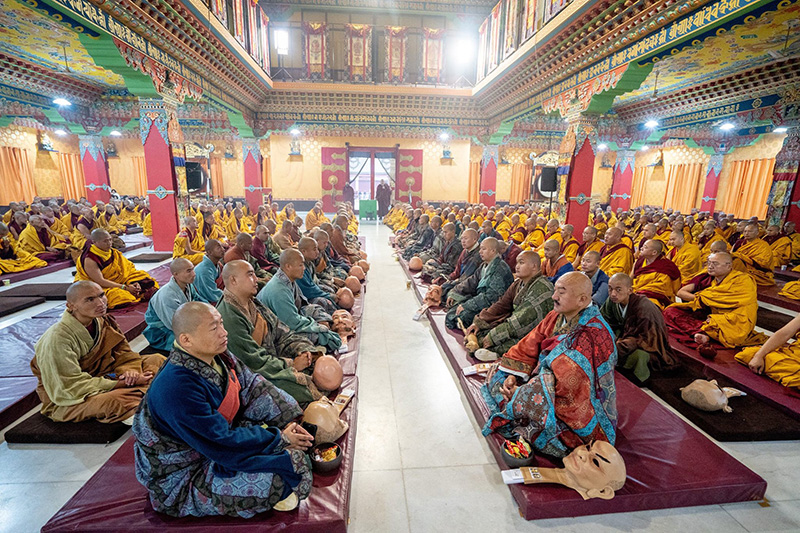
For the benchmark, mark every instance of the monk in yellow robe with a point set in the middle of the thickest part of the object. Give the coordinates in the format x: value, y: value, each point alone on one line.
x: 706, y: 238
x: 147, y: 225
x: 719, y: 306
x: 235, y: 225
x: 754, y: 256
x: 590, y: 244
x: 37, y: 239
x: 85, y: 366
x: 108, y: 221
x: 685, y: 255
x: 115, y: 273
x: 569, y: 244
x: 82, y: 231
x: 315, y: 217
x: 502, y: 225
x: 781, y: 246
x: 654, y: 276
x: 129, y: 216
x: 552, y: 232
x: 663, y: 231
x: 789, y: 230
x: 518, y: 232
x: 13, y: 207
x: 209, y: 229
x: 535, y: 234
x: 600, y: 225
x: 615, y: 256
x: 189, y: 242
x: 777, y: 358
x: 13, y: 258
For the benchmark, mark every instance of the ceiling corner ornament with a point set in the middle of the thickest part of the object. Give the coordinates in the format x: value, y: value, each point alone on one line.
x: 159, y: 73
x: 93, y: 146
x: 491, y: 153
x: 251, y: 148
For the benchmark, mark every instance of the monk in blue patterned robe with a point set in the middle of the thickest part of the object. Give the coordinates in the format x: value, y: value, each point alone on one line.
x: 214, y: 437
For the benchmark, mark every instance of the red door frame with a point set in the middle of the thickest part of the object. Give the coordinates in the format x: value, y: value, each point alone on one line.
x: 372, y: 151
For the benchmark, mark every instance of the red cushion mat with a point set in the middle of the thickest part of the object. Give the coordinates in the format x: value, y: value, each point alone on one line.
x: 113, y: 500
x: 724, y: 364
x: 17, y: 397
x: 55, y: 266
x: 670, y: 464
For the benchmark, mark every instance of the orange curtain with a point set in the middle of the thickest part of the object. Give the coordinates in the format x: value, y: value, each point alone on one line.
x: 216, y: 177
x: 73, y: 183
x: 139, y: 175
x: 749, y: 182
x: 16, y: 171
x: 266, y: 177
x: 520, y: 183
x: 682, y: 183
x: 641, y: 175
x: 474, y: 186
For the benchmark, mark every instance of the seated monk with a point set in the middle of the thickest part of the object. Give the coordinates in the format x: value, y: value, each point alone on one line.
x: 571, y: 399
x: 685, y: 255
x: 236, y: 224
x: 55, y: 225
x: 789, y: 229
x: 534, y: 236
x: 344, y: 242
x: 481, y: 289
x: 502, y: 225
x: 227, y: 443
x: 315, y: 217
x: 716, y: 307
x: 777, y: 358
x: 524, y: 304
x: 284, y: 298
x: 509, y: 253
x: 208, y: 274
x: 13, y: 258
x: 780, y: 244
x: 590, y: 244
x: 262, y: 250
x: 706, y: 238
x: 590, y: 265
x: 85, y: 367
x: 261, y: 341
x: 240, y: 251
x: 283, y: 237
x: 129, y: 216
x: 189, y: 242
x: 166, y: 301
x: 17, y: 225
x: 655, y: 276
x: 209, y: 229
x: 308, y: 282
x: 331, y: 277
x: 115, y: 273
x: 107, y: 219
x: 424, y: 239
x: 569, y: 244
x: 39, y: 240
x: 663, y: 231
x: 639, y: 329
x: 443, y: 263
x: 518, y: 231
x: 615, y: 255
x: 754, y: 256
x: 555, y: 264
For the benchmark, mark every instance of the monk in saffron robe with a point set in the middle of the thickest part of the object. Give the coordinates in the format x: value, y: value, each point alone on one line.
x: 18, y: 223
x: 706, y: 238
x: 535, y: 234
x: 236, y: 225
x: 502, y: 225
x: 210, y: 229
x: 777, y: 358
x: 685, y: 255
x: 166, y: 301
x: 590, y: 244
x: 789, y: 230
x: 615, y: 256
x: 569, y: 244
x: 662, y: 231
x: 38, y: 240
x: 555, y: 264
x: 115, y: 273
x: 189, y: 242
x: 781, y: 246
x: 315, y: 217
x: 556, y: 386
x: 552, y: 232
x: 719, y: 307
x: 85, y: 367
x: 655, y: 276
x: 226, y: 444
x: 638, y: 327
x: 13, y: 258
x: 754, y: 256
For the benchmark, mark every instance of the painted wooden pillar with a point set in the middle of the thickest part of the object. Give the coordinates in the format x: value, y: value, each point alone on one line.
x: 622, y: 180
x: 784, y: 198
x: 95, y: 168
x: 576, y: 170
x: 489, y: 162
x: 709, y: 200
x: 165, y: 162
x: 251, y: 157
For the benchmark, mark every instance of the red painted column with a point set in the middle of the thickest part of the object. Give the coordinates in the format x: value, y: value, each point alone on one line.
x: 623, y: 180
x: 709, y: 200
x: 579, y: 185
x: 95, y: 168
x: 489, y: 162
x: 251, y: 157
x: 165, y: 163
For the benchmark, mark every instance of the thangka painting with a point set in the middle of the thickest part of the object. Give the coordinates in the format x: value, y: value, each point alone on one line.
x: 264, y: 42
x: 554, y: 7
x: 315, y: 50
x: 238, y: 20
x: 432, y: 57
x: 483, y: 40
x: 511, y: 25
x: 334, y: 177
x: 495, y: 35
x: 529, y: 19
x: 220, y: 10
x: 358, y: 51
x: 409, y: 177
x: 252, y: 29
x: 396, y: 41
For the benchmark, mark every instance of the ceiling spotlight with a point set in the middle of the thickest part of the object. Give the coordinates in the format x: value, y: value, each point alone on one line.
x: 782, y: 129
x: 444, y: 137
x: 60, y: 132
x: 727, y: 126
x: 115, y: 133
x: 62, y: 102
x: 295, y: 132
x: 651, y: 124
x: 644, y: 148
x: 602, y: 147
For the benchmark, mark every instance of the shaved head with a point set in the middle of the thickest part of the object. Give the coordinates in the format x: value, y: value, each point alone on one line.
x: 189, y: 316
x: 234, y: 268
x: 243, y: 239
x: 291, y: 256
x: 79, y: 289
x: 179, y: 264
x: 621, y: 278
x: 211, y: 245
x: 306, y: 243
x: 578, y: 283
x: 99, y: 234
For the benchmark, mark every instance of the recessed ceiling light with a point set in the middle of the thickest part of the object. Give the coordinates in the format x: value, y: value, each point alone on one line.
x: 727, y: 126
x: 60, y: 132
x: 295, y: 132
x: 644, y: 148
x: 651, y: 124
x: 444, y: 137
x: 62, y: 102
x: 782, y: 129
x: 115, y: 133
x: 602, y: 146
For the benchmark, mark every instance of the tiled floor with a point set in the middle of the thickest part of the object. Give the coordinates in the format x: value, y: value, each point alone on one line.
x: 421, y: 463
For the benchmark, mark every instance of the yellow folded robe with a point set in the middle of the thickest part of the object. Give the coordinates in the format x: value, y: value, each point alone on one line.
x: 791, y: 290
x: 17, y: 259
x: 30, y: 242
x: 755, y: 258
x: 782, y: 365
x: 781, y: 251
x: 147, y: 226
x: 687, y: 259
x: 620, y: 260
x: 196, y: 242
x: 118, y: 269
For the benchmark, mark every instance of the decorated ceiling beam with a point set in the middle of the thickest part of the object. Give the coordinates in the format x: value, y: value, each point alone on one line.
x: 44, y: 81
x: 429, y: 7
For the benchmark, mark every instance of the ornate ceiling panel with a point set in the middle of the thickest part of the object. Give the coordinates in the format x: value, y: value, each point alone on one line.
x: 477, y: 7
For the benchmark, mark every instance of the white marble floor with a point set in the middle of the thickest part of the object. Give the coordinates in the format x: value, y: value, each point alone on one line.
x: 421, y: 463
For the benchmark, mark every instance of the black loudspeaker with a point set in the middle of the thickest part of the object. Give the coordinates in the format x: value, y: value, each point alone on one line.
x: 547, y: 180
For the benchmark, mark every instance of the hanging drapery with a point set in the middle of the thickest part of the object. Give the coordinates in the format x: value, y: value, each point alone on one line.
x: 529, y: 19
x: 520, y: 183
x: 749, y: 183
x: 128, y: 175
x: 220, y: 10
x: 140, y: 176
x: 264, y: 30
x: 495, y: 35
x: 510, y: 17
x: 432, y: 48
x: 315, y: 50
x: 16, y: 170
x: 396, y: 40
x: 358, y: 51
x: 217, y: 188
x: 641, y: 176
x: 474, y: 186
x: 238, y: 20
x: 72, y: 181
x: 683, y: 182
x: 483, y: 41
